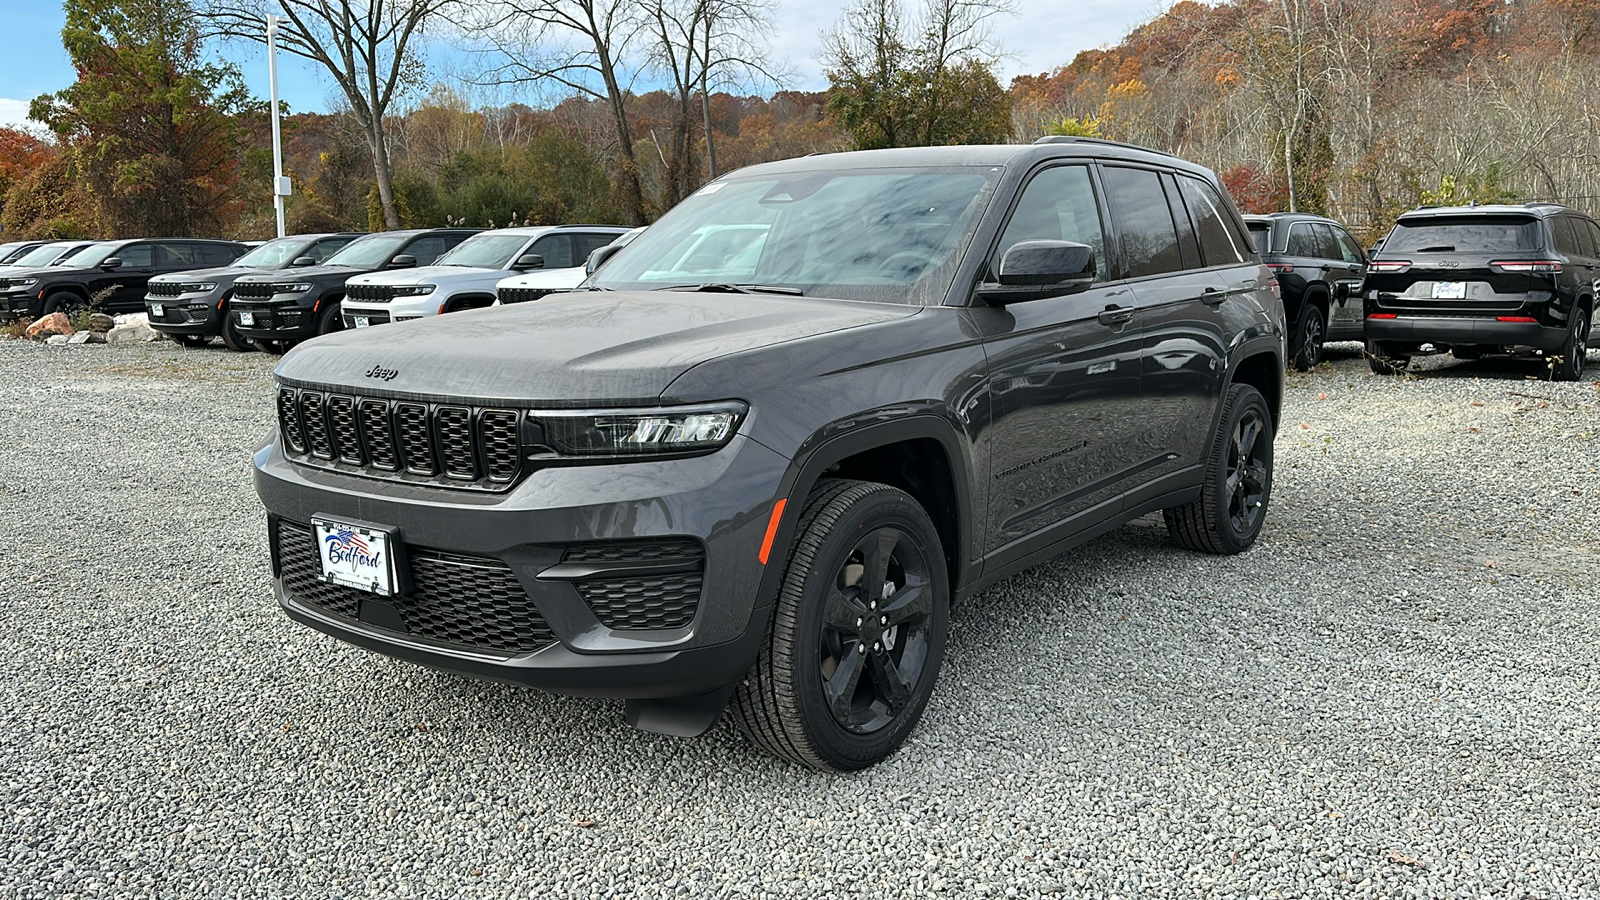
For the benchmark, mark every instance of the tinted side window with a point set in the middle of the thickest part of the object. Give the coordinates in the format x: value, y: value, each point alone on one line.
x: 556, y: 250
x: 1217, y: 240
x: 321, y: 250
x: 1594, y: 234
x: 1146, y: 234
x: 1349, y: 250
x: 1327, y: 247
x: 136, y: 256
x: 1302, y: 240
x: 426, y: 249
x: 1187, y: 242
x: 1057, y: 205
x: 177, y: 256
x: 218, y: 254
x: 587, y: 242
x: 1573, y: 237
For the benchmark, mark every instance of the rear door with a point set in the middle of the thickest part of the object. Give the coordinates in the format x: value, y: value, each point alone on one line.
x: 1345, y: 319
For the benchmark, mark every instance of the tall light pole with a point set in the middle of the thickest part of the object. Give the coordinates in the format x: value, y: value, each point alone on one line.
x: 280, y: 184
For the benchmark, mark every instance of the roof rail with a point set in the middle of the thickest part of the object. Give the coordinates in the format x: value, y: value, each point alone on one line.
x: 1076, y: 139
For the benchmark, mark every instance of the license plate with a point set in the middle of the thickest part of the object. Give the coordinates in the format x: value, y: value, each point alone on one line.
x: 355, y: 556
x: 361, y: 321
x: 247, y: 318
x: 157, y: 310
x: 1449, y: 290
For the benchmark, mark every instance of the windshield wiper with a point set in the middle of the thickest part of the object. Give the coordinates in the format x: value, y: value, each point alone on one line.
x: 718, y: 287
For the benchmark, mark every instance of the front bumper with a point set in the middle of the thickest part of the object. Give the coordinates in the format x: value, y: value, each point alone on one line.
x: 279, y: 320
x: 721, y: 501
x: 397, y: 310
x: 1480, y: 331
x: 14, y: 306
x: 185, y: 314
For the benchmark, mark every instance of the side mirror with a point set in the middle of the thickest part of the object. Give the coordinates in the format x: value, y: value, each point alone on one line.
x: 529, y: 261
x: 403, y: 261
x: 114, y: 262
x: 1034, y: 270
x: 599, y: 256
x: 303, y: 261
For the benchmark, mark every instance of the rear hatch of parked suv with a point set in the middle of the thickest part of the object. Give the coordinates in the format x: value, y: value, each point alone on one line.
x: 1472, y: 265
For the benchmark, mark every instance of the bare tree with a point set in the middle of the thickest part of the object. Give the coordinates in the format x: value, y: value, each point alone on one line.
x: 368, y: 46
x: 582, y: 45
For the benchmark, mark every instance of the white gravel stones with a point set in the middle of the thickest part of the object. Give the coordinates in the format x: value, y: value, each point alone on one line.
x: 1393, y: 695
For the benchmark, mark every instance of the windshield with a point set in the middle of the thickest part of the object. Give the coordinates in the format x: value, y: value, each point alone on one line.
x: 1258, y: 235
x: 274, y: 254
x: 43, y: 256
x: 1469, y: 234
x: 888, y: 235
x: 369, y: 252
x: 92, y: 255
x: 487, y: 251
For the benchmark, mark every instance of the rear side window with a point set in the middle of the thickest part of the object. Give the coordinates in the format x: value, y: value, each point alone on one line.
x: 1566, y: 241
x: 1466, y: 234
x: 1218, y: 242
x: 1303, y: 241
x: 1146, y: 234
x: 1327, y: 245
x: 426, y: 249
x: 1261, y: 237
x: 586, y: 242
x: 1349, y: 250
x: 1594, y: 234
x: 1058, y: 205
x: 217, y: 254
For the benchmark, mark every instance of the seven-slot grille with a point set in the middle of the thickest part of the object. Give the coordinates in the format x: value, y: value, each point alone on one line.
x: 171, y: 289
x: 246, y: 290
x: 468, y: 601
x: 522, y: 295
x: 452, y: 445
x: 369, y: 293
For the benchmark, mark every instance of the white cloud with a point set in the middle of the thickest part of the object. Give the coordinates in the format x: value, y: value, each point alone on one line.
x: 14, y: 114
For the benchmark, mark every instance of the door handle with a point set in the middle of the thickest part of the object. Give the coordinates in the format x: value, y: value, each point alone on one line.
x: 1117, y: 315
x: 1213, y: 297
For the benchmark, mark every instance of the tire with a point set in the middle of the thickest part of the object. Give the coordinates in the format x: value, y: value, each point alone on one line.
x: 1310, y: 332
x: 1384, y: 361
x: 1238, y: 481
x: 231, y: 337
x: 331, y: 319
x: 191, y: 341
x: 1574, y: 350
x: 63, y: 302
x: 822, y: 623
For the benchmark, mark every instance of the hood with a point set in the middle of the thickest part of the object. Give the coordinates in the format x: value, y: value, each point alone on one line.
x: 217, y: 274
x: 40, y: 271
x: 302, y: 273
x: 588, y: 348
x: 423, y: 275
x: 569, y: 277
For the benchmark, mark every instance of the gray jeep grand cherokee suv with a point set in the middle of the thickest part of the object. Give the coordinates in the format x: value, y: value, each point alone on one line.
x: 763, y: 474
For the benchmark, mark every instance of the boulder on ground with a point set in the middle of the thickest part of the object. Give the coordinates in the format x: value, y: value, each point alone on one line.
x: 101, y: 323
x: 132, y: 333
x: 87, y: 337
x: 55, y: 323
x: 57, y: 339
x: 132, y: 319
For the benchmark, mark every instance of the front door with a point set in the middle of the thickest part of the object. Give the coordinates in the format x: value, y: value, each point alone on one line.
x: 1063, y: 381
x: 122, y: 289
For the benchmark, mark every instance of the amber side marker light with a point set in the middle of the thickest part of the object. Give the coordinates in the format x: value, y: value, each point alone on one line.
x: 772, y: 529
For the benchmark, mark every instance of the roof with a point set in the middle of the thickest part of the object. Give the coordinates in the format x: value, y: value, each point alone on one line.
x: 1289, y: 217
x: 1025, y: 155
x: 1536, y: 208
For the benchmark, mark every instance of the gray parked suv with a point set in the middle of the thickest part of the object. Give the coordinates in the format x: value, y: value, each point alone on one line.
x: 763, y: 476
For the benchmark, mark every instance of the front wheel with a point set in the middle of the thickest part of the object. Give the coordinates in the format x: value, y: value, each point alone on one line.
x: 857, y: 635
x: 1309, y: 333
x: 1238, y: 480
x: 1574, y: 350
x: 331, y: 319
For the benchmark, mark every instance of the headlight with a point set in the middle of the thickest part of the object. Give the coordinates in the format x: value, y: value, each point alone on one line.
x: 299, y: 288
x: 415, y: 290
x: 202, y: 287
x: 635, y: 432
x: 23, y: 282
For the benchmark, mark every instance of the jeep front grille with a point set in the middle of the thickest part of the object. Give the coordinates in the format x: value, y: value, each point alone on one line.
x: 450, y: 445
x: 164, y: 290
x: 466, y: 601
x: 369, y: 293
x: 250, y: 291
x: 522, y: 295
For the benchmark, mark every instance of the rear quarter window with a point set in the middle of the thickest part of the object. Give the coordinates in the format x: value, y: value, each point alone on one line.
x: 1468, y: 234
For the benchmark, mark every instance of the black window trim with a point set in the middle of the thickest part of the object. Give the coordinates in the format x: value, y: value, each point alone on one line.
x: 1113, y: 260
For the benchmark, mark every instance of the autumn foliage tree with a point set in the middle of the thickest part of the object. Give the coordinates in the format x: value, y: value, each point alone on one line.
x: 152, y: 128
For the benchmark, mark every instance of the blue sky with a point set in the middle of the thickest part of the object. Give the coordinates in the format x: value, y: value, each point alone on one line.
x: 1044, y: 34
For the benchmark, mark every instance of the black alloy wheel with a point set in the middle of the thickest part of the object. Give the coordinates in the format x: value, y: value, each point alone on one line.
x: 858, y: 634
x: 1238, y: 482
x: 1574, y: 350
x: 64, y: 302
x: 331, y: 318
x: 1309, y: 334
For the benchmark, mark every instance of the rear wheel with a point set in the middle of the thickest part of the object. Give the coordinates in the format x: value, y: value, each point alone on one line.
x: 857, y: 635
x: 1310, y: 331
x: 1384, y: 360
x: 1574, y: 350
x: 1238, y: 480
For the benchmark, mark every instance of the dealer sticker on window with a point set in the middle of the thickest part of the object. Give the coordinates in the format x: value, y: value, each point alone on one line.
x: 354, y: 556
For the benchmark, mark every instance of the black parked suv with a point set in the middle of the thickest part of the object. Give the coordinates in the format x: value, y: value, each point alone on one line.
x: 767, y: 481
x: 192, y: 308
x: 1517, y: 280
x: 278, y: 310
x: 1319, y: 266
x: 122, y: 267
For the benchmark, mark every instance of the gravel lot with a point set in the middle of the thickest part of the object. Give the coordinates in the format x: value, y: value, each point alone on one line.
x: 1394, y: 694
